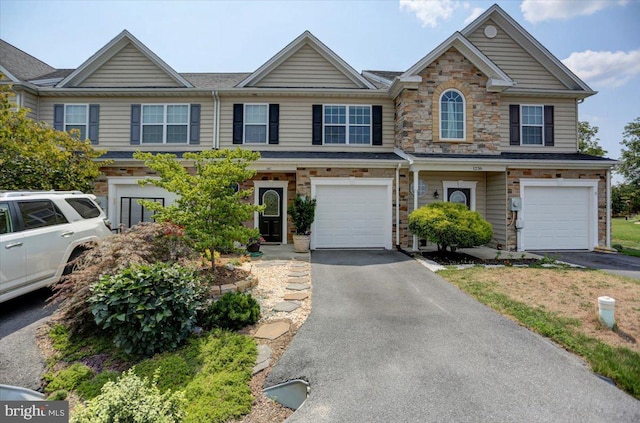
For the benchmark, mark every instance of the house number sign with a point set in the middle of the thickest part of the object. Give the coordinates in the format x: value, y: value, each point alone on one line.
x: 477, y: 167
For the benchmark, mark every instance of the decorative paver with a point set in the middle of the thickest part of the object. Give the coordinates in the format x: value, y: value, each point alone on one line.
x: 297, y: 287
x: 287, y: 306
x: 228, y: 288
x: 298, y: 280
x: 263, y: 360
x: 298, y: 274
x: 296, y: 296
x: 300, y: 264
x: 272, y: 330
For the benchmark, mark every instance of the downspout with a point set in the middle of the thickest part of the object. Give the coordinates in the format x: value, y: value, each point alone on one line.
x: 398, y: 205
x: 216, y: 120
x: 608, y: 240
x: 416, y: 174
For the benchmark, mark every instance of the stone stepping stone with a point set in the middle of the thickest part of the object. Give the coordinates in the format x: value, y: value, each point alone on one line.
x: 298, y: 274
x: 300, y: 264
x: 296, y: 296
x: 287, y: 306
x: 263, y: 360
x: 297, y: 287
x: 298, y: 280
x: 272, y: 330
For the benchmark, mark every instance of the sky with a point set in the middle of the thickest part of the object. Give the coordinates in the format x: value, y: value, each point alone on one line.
x: 599, y: 40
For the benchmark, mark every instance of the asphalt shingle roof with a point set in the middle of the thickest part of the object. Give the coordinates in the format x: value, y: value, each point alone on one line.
x: 215, y: 81
x: 318, y: 155
x: 22, y: 65
x: 515, y: 156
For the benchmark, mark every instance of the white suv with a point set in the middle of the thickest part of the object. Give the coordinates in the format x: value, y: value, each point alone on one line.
x: 40, y: 232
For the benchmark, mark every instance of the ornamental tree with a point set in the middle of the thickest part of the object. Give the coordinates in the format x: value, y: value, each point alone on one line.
x: 588, y: 143
x: 210, y: 206
x: 630, y: 159
x: 450, y: 225
x: 35, y: 156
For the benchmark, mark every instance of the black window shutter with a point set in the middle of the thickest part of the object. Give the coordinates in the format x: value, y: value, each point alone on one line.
x: 548, y: 126
x: 376, y: 115
x: 94, y: 122
x: 514, y: 124
x: 194, y: 130
x: 238, y: 112
x: 274, y: 123
x: 135, y: 124
x: 58, y: 117
x: 317, y: 125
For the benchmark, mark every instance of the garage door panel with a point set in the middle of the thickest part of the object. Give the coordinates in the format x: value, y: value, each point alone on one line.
x: 557, y: 217
x: 351, y: 216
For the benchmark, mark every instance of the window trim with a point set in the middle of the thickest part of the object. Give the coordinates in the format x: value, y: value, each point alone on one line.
x: 86, y: 118
x: 244, y: 124
x: 464, y: 116
x: 165, y: 124
x: 347, y: 124
x: 541, y: 126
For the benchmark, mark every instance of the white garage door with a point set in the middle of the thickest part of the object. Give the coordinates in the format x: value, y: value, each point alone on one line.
x: 557, y: 218
x: 352, y: 216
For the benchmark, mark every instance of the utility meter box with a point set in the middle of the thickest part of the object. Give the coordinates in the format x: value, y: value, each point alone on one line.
x: 515, y: 204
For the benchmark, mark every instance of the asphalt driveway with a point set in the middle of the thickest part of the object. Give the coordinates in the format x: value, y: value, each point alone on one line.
x: 388, y: 340
x: 618, y: 264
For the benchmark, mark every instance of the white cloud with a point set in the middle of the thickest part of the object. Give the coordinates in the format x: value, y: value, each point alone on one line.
x: 605, y: 68
x: 429, y: 12
x: 477, y: 11
x: 542, y: 10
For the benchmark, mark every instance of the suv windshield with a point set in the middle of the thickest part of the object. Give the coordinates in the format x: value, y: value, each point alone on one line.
x: 84, y: 207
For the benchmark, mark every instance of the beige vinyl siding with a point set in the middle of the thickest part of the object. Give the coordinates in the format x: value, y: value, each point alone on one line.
x: 434, y: 182
x: 565, y: 124
x: 115, y: 120
x: 30, y: 101
x: 514, y: 60
x: 497, y: 205
x: 306, y: 68
x: 129, y: 68
x: 296, y: 123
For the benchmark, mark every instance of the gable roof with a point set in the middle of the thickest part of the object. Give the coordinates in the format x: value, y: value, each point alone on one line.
x: 498, y: 80
x: 529, y: 44
x: 111, y: 49
x: 18, y: 66
x: 306, y: 38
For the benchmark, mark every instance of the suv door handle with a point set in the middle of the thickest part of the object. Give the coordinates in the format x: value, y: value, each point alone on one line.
x: 67, y: 234
x: 15, y: 244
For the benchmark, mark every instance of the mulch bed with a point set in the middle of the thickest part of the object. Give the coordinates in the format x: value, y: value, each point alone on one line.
x: 447, y: 258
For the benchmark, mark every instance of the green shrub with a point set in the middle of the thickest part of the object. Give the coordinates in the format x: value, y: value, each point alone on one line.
x: 89, y: 389
x: 144, y: 243
x: 59, y: 395
x: 148, y: 309
x: 234, y: 310
x: 302, y: 211
x: 450, y: 225
x: 132, y: 399
x: 68, y: 378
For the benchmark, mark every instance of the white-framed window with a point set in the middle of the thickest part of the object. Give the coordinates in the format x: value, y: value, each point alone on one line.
x: 347, y: 124
x: 532, y: 124
x: 165, y: 123
x: 76, y: 116
x: 452, y: 115
x: 256, y: 123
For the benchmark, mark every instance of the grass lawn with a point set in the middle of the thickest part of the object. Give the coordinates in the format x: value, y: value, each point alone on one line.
x: 213, y: 370
x: 627, y: 234
x: 561, y: 304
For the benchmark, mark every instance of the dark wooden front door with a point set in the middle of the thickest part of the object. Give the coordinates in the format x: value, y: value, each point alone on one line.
x: 459, y: 195
x: 270, y: 221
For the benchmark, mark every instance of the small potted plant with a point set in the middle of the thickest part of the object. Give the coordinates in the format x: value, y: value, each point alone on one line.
x: 253, y: 245
x: 302, y: 211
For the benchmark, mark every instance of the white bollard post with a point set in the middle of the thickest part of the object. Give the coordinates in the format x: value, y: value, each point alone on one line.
x: 606, y: 308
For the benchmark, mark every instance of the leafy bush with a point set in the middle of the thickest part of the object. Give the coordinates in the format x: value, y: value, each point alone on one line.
x: 302, y: 211
x: 68, y: 378
x: 450, y: 225
x: 234, y: 310
x: 132, y: 399
x: 89, y: 389
x: 144, y: 243
x: 148, y: 308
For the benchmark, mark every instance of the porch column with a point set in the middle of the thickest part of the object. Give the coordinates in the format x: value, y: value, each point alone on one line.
x: 608, y: 234
x: 415, y: 203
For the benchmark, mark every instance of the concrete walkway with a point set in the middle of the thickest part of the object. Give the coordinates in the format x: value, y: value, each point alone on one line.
x: 389, y: 341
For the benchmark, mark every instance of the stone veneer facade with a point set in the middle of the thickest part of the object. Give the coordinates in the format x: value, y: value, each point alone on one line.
x: 417, y: 111
x: 513, y: 190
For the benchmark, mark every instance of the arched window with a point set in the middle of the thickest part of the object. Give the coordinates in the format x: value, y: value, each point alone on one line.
x: 452, y: 119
